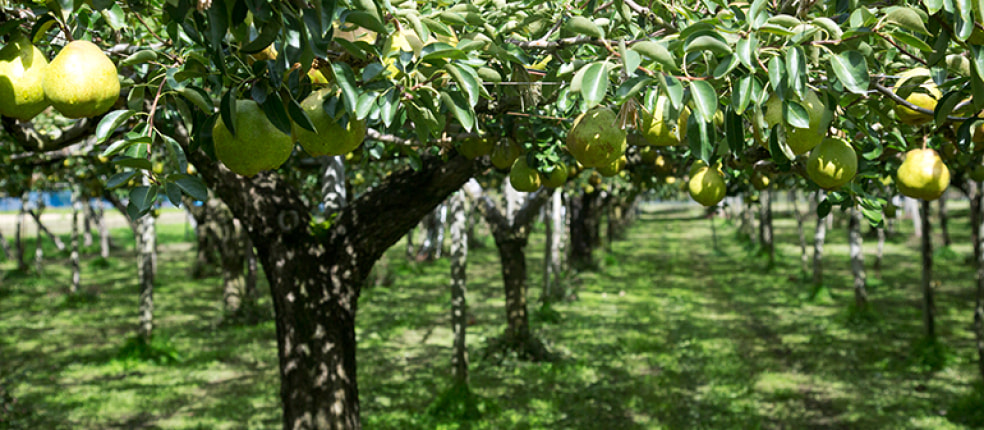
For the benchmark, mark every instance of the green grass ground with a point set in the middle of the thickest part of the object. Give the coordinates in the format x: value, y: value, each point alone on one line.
x: 671, y: 333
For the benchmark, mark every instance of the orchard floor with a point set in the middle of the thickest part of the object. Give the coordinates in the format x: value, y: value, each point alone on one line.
x: 672, y: 333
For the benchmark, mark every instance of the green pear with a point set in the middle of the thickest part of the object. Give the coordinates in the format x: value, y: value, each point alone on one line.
x: 81, y: 81
x: 21, y: 74
x: 258, y: 144
x: 329, y: 138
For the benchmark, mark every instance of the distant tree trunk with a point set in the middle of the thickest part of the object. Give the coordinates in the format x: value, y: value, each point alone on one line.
x: 333, y: 193
x: 929, y: 307
x: 434, y: 223
x: 976, y: 195
x: 410, y: 249
x: 818, y: 238
x: 750, y: 214
x: 583, y: 225
x: 232, y: 253
x: 459, y: 284
x: 800, y: 218
x: 87, y: 219
x: 4, y: 247
x: 512, y: 253
x: 552, y: 268
x: 765, y: 226
x: 19, y: 235
x: 104, y: 239
x: 881, y: 249
x: 743, y: 227
x: 38, y: 247
x: 911, y: 207
x: 473, y: 240
x: 857, y: 259
x: 146, y: 245
x: 206, y: 236
x: 76, y: 267
x: 944, y: 220
x: 251, y: 269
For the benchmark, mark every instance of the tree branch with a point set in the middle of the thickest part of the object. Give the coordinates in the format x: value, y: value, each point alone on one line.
x: 534, y: 201
x: 486, y: 206
x: 33, y: 141
x: 895, y: 97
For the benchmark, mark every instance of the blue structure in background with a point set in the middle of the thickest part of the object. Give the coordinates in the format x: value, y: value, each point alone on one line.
x: 52, y: 199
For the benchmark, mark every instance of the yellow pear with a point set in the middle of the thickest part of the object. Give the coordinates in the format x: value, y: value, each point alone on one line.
x: 81, y: 81
x: 707, y: 186
x: 524, y: 178
x: 832, y: 164
x: 330, y: 138
x: 925, y: 96
x: 760, y: 181
x: 923, y: 175
x: 21, y: 75
x: 664, y: 126
x: 595, y: 139
x: 258, y: 144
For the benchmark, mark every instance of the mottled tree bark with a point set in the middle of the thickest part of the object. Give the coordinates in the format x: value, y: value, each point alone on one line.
x: 87, y: 219
x: 818, y: 239
x: 315, y: 279
x: 976, y: 219
x: 584, y: 226
x: 911, y: 208
x: 552, y: 264
x: 855, y: 241
x: 881, y: 249
x: 146, y: 248
x: 944, y: 220
x: 38, y: 247
x: 765, y: 226
x: 929, y: 307
x: 800, y: 231
x: 76, y: 267
x: 104, y: 239
x: 433, y: 224
x: 459, y: 304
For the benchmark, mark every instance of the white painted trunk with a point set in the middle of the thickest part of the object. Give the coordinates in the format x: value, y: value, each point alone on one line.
x: 459, y: 305
x: 333, y: 194
x: 553, y: 252
x: 146, y: 255
x: 855, y: 242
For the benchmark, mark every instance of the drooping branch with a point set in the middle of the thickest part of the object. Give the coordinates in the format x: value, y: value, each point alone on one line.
x: 34, y: 141
x: 895, y: 97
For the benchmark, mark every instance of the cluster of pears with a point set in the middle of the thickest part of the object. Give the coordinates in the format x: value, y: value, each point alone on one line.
x: 507, y: 154
x: 799, y: 140
x: 81, y: 81
x: 259, y: 145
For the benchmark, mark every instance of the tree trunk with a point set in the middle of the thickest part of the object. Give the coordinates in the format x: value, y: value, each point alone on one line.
x: 818, y: 238
x: 87, y: 219
x: 944, y: 220
x: 929, y: 307
x: 911, y: 207
x: 4, y: 247
x: 232, y: 253
x: 251, y: 269
x: 38, y: 247
x: 881, y: 249
x: 76, y: 268
x: 315, y: 279
x: 434, y: 223
x: 750, y: 214
x: 552, y: 290
x: 459, y: 304
x: 43, y: 229
x: 333, y: 195
x: 146, y: 238
x: 976, y: 219
x: 512, y: 254
x: 857, y: 259
x: 765, y: 227
x: 800, y: 217
x: 19, y: 235
x: 104, y: 238
x: 581, y: 242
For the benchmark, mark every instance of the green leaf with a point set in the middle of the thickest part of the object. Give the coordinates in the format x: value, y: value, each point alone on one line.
x: 136, y: 163
x: 345, y: 79
x: 198, y: 97
x: 467, y: 81
x: 366, y: 20
x: 734, y: 130
x: 777, y: 73
x: 656, y: 52
x: 594, y: 83
x: 674, y: 90
x: 851, y: 70
x: 111, y: 122
x: 945, y: 106
x: 912, y: 41
x: 300, y: 117
x: 143, y: 197
x: 139, y: 57
x: 268, y: 34
x: 747, y: 50
x: 227, y: 109
x: 582, y: 25
x: 708, y: 43
x: 757, y: 13
x: 726, y: 65
x: 743, y: 93
x: 460, y: 108
x: 796, y: 69
x: 823, y: 208
x: 795, y: 114
x: 120, y: 178
x: 193, y: 186
x: 274, y: 109
x: 631, y: 87
x: 906, y: 18
x: 705, y: 98
x: 964, y: 26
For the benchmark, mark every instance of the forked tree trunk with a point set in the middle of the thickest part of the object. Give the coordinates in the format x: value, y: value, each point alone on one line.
x: 800, y: 217
x: 459, y: 283
x: 315, y: 280
x: 857, y: 259
x: 944, y: 221
x: 818, y: 239
x: 929, y: 307
x: 976, y: 220
x: 76, y: 267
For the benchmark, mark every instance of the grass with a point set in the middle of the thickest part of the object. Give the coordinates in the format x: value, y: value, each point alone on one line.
x: 671, y: 333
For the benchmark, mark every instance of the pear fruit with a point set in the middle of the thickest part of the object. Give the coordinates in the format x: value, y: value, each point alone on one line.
x: 923, y: 175
x: 81, y: 81
x: 505, y: 153
x: 707, y: 186
x: 614, y: 168
x: 800, y: 140
x: 832, y: 164
x: 760, y: 181
x: 556, y: 178
x: 925, y: 96
x: 524, y: 178
x: 595, y: 139
x: 257, y: 145
x: 330, y: 138
x: 21, y: 75
x: 665, y: 126
x: 474, y: 147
